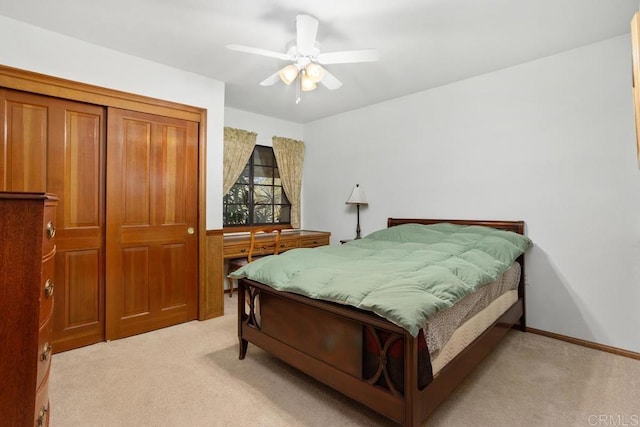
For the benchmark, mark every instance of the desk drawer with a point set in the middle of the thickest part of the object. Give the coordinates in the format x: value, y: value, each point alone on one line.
x: 236, y: 251
x: 312, y: 242
x: 263, y: 249
x: 287, y: 244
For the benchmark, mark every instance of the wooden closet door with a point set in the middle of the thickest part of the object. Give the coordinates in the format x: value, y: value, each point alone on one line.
x: 152, y: 240
x: 76, y: 168
x: 56, y: 145
x: 23, y: 141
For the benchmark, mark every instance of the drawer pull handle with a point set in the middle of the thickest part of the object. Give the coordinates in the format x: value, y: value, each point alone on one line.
x: 43, y: 416
x: 49, y: 287
x: 243, y: 250
x: 51, y: 230
x: 46, y: 353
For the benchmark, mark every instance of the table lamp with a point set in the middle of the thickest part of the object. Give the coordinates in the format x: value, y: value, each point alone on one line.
x: 357, y: 198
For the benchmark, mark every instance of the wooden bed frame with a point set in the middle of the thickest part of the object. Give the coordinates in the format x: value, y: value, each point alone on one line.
x: 325, y: 340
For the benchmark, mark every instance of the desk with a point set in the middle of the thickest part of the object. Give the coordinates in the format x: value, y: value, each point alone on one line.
x: 236, y: 245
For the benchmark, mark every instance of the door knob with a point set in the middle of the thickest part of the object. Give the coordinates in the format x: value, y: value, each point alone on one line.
x: 191, y: 230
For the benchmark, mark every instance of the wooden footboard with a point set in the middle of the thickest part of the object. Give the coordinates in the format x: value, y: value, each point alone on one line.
x: 327, y: 341
x: 322, y: 339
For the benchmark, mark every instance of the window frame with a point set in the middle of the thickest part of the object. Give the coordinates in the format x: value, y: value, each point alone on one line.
x: 250, y: 203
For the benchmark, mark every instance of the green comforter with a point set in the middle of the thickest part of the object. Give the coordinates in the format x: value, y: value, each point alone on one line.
x: 404, y: 273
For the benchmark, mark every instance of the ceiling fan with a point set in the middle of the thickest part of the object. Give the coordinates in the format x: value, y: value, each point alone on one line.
x: 307, y: 61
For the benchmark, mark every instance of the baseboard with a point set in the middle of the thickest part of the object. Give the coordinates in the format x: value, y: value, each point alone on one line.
x: 585, y: 343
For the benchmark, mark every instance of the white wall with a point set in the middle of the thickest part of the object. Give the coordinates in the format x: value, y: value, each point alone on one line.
x: 550, y: 142
x: 31, y: 48
x: 266, y: 127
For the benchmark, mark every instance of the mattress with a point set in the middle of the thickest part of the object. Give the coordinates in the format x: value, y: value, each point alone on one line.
x: 451, y: 330
x: 472, y: 328
x: 443, y: 324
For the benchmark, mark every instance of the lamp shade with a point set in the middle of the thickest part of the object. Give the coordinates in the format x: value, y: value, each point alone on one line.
x: 314, y: 71
x: 306, y: 84
x: 288, y: 74
x: 357, y: 196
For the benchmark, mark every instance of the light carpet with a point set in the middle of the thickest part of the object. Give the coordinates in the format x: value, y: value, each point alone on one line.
x: 190, y: 375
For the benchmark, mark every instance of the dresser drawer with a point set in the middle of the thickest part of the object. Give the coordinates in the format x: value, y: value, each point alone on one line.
x: 41, y: 415
x: 44, y: 350
x: 47, y: 289
x: 48, y: 229
x: 312, y: 242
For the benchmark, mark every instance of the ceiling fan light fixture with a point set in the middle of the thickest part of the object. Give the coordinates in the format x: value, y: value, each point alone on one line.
x: 306, y: 83
x: 314, y: 71
x: 306, y: 69
x: 289, y: 73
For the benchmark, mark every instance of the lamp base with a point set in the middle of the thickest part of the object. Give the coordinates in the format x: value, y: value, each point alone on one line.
x: 358, y: 216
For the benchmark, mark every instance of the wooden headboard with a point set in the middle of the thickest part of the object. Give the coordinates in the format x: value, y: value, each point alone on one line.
x: 515, y: 226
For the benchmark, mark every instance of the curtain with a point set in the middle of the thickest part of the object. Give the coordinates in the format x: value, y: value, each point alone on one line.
x: 289, y: 156
x: 238, y: 146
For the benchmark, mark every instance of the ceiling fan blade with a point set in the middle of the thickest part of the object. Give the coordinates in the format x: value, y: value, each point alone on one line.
x: 329, y: 81
x: 349, y: 56
x: 257, y: 51
x: 306, y: 31
x: 271, y: 80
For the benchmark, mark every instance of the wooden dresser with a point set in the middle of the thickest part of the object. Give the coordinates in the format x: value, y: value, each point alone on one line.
x: 27, y: 250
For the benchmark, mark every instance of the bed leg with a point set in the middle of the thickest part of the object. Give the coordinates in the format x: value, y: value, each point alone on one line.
x: 243, y: 348
x: 522, y: 321
x: 522, y: 324
x: 411, y: 396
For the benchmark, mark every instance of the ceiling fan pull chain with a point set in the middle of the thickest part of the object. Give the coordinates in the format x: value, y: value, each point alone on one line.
x: 298, y: 84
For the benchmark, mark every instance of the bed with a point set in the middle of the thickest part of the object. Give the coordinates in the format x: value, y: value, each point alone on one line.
x: 366, y: 356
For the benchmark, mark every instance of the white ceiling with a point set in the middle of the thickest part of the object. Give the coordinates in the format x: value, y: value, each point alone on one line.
x: 423, y: 43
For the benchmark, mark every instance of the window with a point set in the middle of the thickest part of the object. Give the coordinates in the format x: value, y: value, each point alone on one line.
x: 257, y: 197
